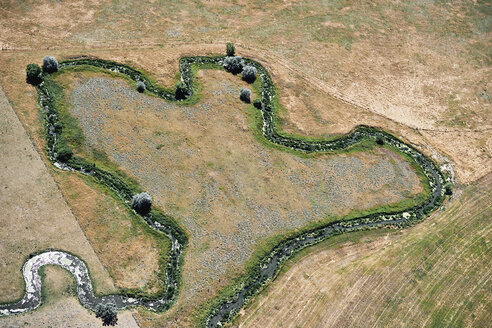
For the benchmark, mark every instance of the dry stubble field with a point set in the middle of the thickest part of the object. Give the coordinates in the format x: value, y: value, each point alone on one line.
x: 418, y: 69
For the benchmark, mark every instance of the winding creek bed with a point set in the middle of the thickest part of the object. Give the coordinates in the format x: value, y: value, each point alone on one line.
x: 226, y: 307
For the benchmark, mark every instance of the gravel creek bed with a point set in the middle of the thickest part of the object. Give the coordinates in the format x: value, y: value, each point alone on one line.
x: 225, y: 308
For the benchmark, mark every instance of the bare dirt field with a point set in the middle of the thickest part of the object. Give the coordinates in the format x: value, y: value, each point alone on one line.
x: 419, y: 69
x: 436, y: 274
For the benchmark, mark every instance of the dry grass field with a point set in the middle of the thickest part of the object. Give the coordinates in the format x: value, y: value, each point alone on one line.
x: 422, y: 64
x: 436, y: 274
x: 203, y: 165
x: 419, y: 69
x: 132, y: 255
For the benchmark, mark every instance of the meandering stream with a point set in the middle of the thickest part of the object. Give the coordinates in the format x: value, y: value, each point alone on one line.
x: 224, y: 309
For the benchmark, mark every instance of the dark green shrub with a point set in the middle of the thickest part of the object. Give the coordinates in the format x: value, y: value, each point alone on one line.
x: 448, y: 188
x: 181, y: 90
x: 107, y: 312
x: 63, y: 152
x: 33, y: 74
x: 245, y: 95
x: 50, y: 64
x: 230, y: 49
x: 58, y: 126
x: 234, y: 64
x: 257, y: 103
x: 379, y: 140
x: 140, y: 86
x: 141, y: 203
x: 249, y: 73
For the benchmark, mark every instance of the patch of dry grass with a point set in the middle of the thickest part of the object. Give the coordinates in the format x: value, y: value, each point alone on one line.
x: 203, y: 165
x: 423, y: 65
x: 125, y: 245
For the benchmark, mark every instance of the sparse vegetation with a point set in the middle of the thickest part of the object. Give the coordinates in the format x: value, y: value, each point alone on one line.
x: 245, y: 95
x: 50, y: 64
x: 249, y: 73
x: 230, y: 49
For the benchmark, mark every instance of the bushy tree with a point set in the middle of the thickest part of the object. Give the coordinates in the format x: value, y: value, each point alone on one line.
x: 234, y: 64
x: 140, y: 86
x: 50, y: 64
x: 141, y: 203
x: 249, y: 73
x: 230, y: 49
x: 33, y: 74
x: 257, y: 103
x: 107, y: 312
x: 245, y: 95
x: 448, y: 188
x: 181, y: 90
x: 63, y: 152
x: 379, y: 140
